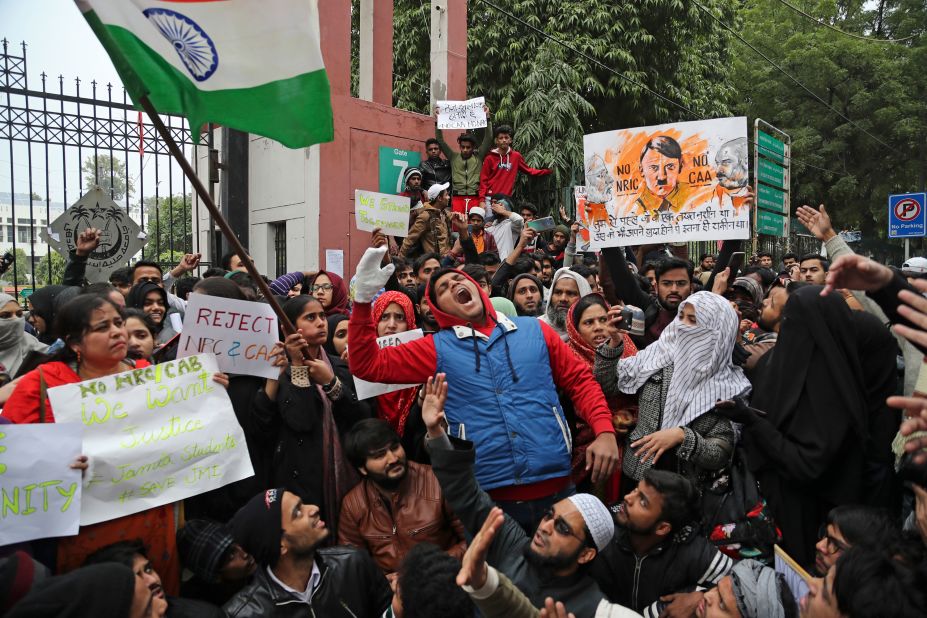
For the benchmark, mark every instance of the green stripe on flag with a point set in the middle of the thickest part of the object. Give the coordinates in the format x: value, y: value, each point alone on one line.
x: 296, y: 112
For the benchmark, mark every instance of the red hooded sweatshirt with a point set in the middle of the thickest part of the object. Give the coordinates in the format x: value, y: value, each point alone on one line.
x: 414, y: 362
x: 499, y: 172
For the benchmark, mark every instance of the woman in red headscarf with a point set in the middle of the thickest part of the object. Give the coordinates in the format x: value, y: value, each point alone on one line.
x: 392, y: 314
x: 588, y: 327
x: 331, y: 291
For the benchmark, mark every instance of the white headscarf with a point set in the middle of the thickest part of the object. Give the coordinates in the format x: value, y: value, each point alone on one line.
x: 703, y: 371
x: 15, y: 342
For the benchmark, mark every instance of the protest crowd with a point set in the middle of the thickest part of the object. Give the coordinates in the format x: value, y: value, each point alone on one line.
x: 625, y: 432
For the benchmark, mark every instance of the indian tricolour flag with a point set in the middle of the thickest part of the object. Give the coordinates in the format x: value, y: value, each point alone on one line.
x: 253, y: 65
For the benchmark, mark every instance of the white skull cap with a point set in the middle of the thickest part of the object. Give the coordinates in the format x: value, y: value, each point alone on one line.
x: 597, y: 517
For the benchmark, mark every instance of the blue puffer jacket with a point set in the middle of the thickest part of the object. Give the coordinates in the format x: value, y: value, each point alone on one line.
x: 508, y: 407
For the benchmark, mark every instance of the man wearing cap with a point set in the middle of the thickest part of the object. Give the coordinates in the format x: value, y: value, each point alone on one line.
x: 430, y: 233
x: 484, y: 242
x: 412, y: 183
x: 549, y: 563
x: 914, y: 268
x: 506, y: 226
x: 219, y: 565
x: 295, y: 577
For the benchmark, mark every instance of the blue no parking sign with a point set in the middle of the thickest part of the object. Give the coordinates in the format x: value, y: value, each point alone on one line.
x: 906, y: 216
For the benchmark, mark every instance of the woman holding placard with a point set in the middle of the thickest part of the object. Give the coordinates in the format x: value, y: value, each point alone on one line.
x: 311, y: 406
x: 95, y: 345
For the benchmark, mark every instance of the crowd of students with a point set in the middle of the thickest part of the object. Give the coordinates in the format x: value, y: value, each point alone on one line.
x: 613, y: 434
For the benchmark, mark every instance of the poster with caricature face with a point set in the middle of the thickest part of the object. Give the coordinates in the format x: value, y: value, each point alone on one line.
x: 666, y: 183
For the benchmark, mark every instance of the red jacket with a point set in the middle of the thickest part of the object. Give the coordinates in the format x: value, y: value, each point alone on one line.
x: 414, y: 362
x: 499, y: 172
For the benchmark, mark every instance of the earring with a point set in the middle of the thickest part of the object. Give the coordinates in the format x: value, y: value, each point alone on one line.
x: 78, y: 357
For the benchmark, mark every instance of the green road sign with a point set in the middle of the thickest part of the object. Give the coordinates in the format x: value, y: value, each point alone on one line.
x: 770, y: 147
x: 393, y: 164
x: 772, y: 199
x: 770, y: 223
x: 770, y: 173
x: 26, y: 292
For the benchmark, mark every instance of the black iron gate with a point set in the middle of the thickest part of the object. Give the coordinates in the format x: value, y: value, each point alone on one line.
x: 59, y: 141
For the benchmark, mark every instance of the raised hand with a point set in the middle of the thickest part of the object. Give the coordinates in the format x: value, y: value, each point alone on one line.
x: 188, y: 263
x: 433, y: 405
x: 554, y: 610
x: 854, y: 272
x: 720, y: 283
x: 319, y: 371
x: 817, y: 222
x: 473, y: 568
x: 295, y: 345
x: 87, y: 241
x: 369, y: 276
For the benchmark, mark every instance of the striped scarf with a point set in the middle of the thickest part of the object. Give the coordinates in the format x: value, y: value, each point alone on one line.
x: 703, y: 371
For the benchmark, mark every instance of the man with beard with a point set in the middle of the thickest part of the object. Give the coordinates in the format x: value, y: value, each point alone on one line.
x: 397, y: 505
x: 526, y: 293
x: 503, y: 375
x: 427, y: 318
x: 405, y: 275
x: 731, y: 169
x: 769, y: 320
x: 657, y: 552
x: 296, y: 578
x: 553, y: 560
x: 673, y: 285
x: 567, y: 287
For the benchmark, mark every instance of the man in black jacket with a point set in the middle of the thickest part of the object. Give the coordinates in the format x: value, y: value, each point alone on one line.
x: 295, y: 577
x: 435, y: 170
x: 657, y: 558
x: 555, y: 560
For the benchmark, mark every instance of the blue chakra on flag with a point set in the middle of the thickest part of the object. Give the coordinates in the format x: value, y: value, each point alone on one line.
x: 192, y: 44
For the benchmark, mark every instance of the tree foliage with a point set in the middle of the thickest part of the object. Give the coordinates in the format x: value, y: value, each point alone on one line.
x: 108, y: 172
x: 877, y: 85
x: 57, y: 262
x: 169, y: 224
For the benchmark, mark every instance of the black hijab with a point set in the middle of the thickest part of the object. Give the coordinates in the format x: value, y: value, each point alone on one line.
x: 333, y: 321
x: 45, y: 303
x: 136, y: 298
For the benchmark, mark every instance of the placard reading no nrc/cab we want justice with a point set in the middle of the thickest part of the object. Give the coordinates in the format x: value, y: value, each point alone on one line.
x: 153, y: 436
x: 389, y: 213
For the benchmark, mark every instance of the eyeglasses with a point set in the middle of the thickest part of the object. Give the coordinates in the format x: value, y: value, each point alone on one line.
x: 833, y: 545
x: 560, y: 525
x: 324, y: 287
x: 156, y: 280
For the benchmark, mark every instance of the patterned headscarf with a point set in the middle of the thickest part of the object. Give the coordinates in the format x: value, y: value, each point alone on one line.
x: 755, y: 590
x: 703, y: 371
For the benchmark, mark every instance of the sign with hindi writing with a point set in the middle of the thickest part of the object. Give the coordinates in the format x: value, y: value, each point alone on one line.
x: 365, y: 389
x: 154, y: 436
x: 40, y: 494
x: 241, y: 334
x: 667, y: 183
x: 388, y: 212
x: 469, y: 114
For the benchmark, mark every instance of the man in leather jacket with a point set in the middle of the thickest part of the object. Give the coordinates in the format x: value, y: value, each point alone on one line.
x: 295, y: 577
x: 397, y: 505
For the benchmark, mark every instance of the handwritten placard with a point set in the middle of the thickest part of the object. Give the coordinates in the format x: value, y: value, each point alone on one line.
x: 154, y: 436
x: 40, y: 494
x: 388, y: 212
x: 667, y: 183
x: 365, y: 389
x: 241, y: 334
x: 469, y: 114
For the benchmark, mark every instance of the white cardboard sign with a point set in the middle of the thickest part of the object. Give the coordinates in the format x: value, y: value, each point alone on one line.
x: 40, y: 495
x: 388, y: 212
x: 154, y: 436
x: 365, y: 389
x: 240, y: 333
x: 467, y: 114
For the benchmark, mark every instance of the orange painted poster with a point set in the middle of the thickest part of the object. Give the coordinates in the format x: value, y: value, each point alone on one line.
x: 666, y: 183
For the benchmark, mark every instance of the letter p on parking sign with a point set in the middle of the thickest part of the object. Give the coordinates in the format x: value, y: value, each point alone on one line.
x: 906, y: 215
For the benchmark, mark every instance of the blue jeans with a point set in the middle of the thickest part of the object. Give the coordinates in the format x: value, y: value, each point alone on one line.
x: 529, y: 513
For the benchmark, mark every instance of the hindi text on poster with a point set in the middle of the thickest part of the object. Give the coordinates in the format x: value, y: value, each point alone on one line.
x: 667, y: 183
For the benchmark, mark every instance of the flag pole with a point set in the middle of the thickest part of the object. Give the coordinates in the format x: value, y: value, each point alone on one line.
x: 285, y: 324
